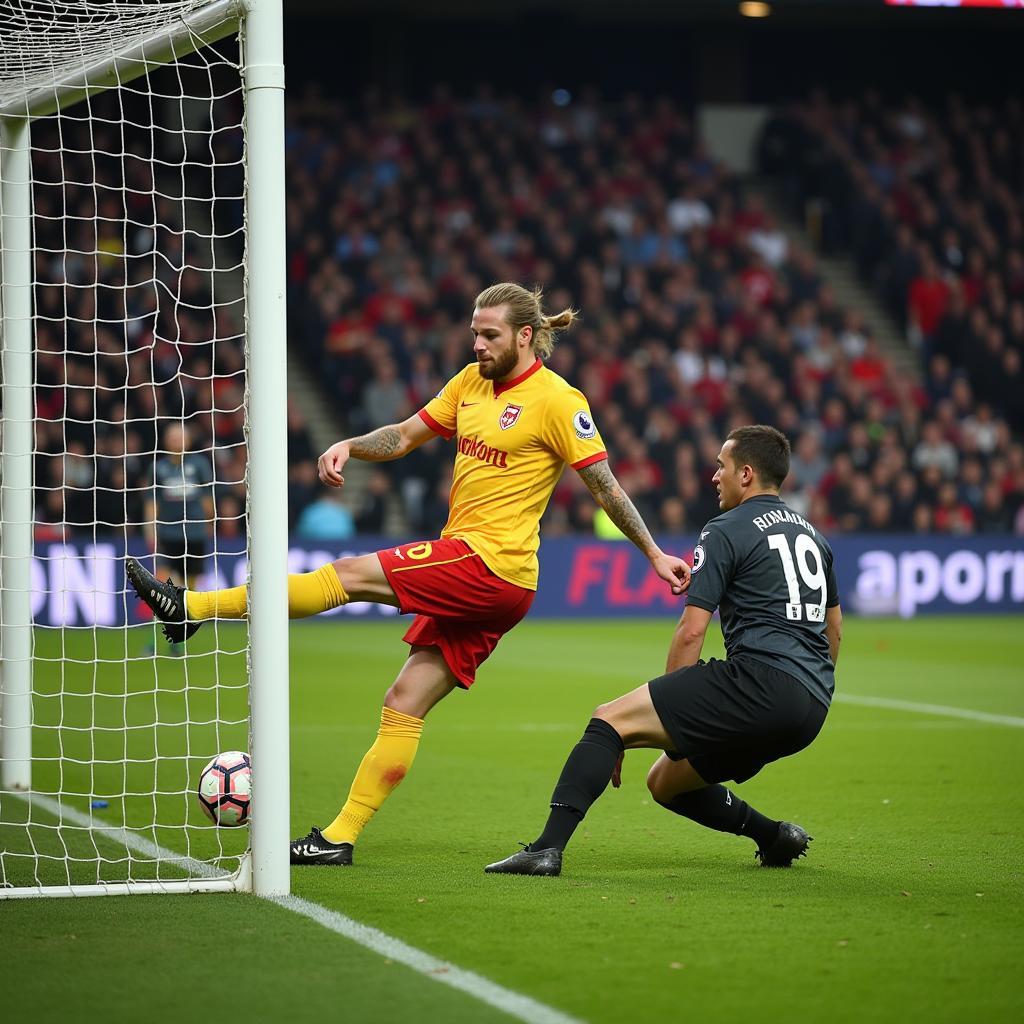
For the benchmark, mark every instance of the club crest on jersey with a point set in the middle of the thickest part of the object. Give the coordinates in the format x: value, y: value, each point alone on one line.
x: 583, y: 424
x: 510, y: 416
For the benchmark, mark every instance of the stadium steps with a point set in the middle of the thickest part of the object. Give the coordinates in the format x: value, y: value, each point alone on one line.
x: 850, y: 292
x: 227, y: 284
x: 324, y: 427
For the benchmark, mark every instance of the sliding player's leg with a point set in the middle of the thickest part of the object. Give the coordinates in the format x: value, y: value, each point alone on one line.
x: 626, y: 723
x: 679, y: 788
x: 728, y: 719
x: 360, y: 578
x: 425, y: 680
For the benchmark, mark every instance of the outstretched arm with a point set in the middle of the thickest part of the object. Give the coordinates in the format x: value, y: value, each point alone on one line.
x: 688, y: 638
x: 380, y: 445
x: 622, y: 512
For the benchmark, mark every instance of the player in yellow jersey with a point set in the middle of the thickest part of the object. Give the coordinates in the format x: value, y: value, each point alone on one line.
x: 516, y: 425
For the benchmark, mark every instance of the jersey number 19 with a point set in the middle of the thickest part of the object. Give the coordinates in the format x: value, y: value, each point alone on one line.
x: 812, y: 573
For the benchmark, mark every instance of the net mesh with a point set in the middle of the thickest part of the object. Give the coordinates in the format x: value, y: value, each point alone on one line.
x: 44, y: 42
x: 139, y: 447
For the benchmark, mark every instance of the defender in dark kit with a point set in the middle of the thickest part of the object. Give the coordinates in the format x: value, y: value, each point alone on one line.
x: 769, y: 573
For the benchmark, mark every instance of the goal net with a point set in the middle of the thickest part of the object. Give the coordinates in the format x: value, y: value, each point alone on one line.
x: 126, y: 390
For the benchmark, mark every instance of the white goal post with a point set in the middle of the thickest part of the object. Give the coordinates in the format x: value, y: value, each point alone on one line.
x: 68, y: 55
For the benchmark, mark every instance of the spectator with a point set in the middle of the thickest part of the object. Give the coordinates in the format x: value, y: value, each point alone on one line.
x: 808, y: 465
x: 934, y: 450
x: 687, y: 212
x: 326, y: 520
x: 300, y: 447
x: 994, y: 516
x: 385, y: 399
x: 373, y: 508
x: 951, y: 514
x: 928, y: 297
x: 180, y: 509
x: 879, y: 517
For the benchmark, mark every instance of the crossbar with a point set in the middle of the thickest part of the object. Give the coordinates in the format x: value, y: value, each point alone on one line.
x: 138, y: 58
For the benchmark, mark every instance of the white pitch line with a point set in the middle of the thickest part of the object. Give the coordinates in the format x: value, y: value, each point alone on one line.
x: 123, y: 837
x: 931, y: 709
x: 515, y: 1005
x: 480, y: 988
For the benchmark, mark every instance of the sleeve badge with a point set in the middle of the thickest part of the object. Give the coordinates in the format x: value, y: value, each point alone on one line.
x: 698, y: 558
x: 583, y: 424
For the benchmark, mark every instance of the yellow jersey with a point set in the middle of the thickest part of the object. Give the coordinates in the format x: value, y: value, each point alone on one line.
x: 513, y: 440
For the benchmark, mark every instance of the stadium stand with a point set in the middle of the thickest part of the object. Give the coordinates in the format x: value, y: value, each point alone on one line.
x: 127, y: 342
x: 698, y: 313
x: 929, y: 203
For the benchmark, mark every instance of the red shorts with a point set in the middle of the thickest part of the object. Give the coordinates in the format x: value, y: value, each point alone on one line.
x: 461, y: 607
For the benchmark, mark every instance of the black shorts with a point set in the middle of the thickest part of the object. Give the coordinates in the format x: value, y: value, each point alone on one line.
x: 182, y: 557
x: 731, y: 718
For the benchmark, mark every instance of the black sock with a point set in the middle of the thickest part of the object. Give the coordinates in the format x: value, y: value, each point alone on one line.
x: 584, y: 778
x: 715, y: 807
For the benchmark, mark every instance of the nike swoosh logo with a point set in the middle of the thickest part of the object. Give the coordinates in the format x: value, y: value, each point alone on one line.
x: 312, y: 850
x: 467, y: 404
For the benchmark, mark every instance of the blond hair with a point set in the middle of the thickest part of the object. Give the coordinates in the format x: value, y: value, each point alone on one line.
x: 523, y: 308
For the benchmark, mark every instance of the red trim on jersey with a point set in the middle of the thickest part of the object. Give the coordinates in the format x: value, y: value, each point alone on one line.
x: 500, y: 388
x: 435, y: 426
x: 590, y: 460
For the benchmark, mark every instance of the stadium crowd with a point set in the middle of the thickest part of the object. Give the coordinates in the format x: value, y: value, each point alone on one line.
x: 698, y: 315
x: 931, y: 203
x: 129, y: 339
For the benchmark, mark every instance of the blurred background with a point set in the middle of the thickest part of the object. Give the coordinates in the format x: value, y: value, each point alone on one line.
x: 806, y: 214
x: 842, y: 260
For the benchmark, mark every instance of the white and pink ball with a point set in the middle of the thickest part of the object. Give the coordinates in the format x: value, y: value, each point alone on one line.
x: 225, y: 789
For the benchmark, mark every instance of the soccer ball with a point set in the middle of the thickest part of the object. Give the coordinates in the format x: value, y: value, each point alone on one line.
x: 225, y: 789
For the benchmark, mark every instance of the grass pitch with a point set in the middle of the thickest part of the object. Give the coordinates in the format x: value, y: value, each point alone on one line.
x: 909, y: 904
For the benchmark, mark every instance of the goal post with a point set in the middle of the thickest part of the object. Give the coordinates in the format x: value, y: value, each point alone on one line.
x: 58, y: 58
x: 268, y: 433
x: 16, y: 465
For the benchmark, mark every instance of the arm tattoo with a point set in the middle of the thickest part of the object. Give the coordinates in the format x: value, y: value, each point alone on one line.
x: 378, y: 446
x: 614, y: 500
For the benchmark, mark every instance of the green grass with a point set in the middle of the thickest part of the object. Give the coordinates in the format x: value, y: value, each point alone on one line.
x: 908, y: 905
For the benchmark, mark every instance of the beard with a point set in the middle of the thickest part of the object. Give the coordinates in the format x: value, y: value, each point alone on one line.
x: 502, y: 364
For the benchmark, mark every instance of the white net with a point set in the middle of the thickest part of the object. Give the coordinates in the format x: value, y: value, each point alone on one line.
x: 139, y: 388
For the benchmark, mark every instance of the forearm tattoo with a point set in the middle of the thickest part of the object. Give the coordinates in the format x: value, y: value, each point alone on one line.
x: 377, y: 446
x: 614, y: 500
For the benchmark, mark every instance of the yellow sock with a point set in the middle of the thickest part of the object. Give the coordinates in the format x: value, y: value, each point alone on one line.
x: 313, y: 592
x: 215, y: 604
x: 383, y: 767
x: 308, y: 594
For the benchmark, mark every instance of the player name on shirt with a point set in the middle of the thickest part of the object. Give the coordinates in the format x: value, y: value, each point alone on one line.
x: 783, y: 515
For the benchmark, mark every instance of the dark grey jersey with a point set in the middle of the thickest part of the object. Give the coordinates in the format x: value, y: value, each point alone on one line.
x: 182, y: 489
x: 770, y: 574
